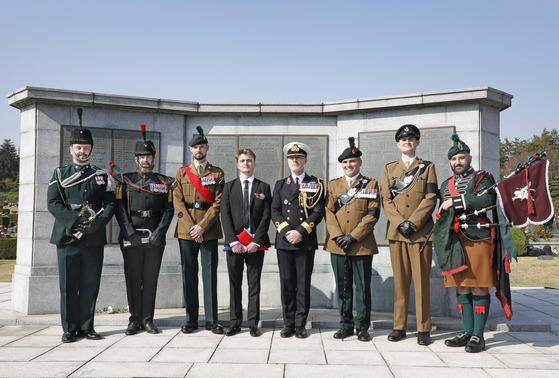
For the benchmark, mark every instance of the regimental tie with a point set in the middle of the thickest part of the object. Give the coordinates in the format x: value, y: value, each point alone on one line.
x: 407, y: 163
x: 246, y: 206
x: 200, y: 169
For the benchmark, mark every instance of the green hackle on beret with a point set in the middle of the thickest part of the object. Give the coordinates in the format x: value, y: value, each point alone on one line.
x: 199, y: 138
x: 351, y: 151
x: 459, y: 147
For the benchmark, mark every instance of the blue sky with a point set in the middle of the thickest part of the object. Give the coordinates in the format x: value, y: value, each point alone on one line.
x: 285, y: 51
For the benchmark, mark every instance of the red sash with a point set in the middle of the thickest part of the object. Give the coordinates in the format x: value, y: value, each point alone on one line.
x: 204, y: 192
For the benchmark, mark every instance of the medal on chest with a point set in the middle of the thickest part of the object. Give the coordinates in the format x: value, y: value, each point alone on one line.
x: 366, y: 193
x: 158, y: 188
x: 100, y: 180
x: 309, y: 187
x: 208, y: 180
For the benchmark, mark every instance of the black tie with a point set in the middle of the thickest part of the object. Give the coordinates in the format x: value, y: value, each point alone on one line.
x: 246, y: 206
x: 297, y: 181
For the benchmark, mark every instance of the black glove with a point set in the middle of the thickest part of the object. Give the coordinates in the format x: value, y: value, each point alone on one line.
x: 406, y: 228
x: 338, y: 240
x: 156, y: 240
x: 135, y: 239
x: 81, y: 224
x: 346, y: 242
x: 94, y: 226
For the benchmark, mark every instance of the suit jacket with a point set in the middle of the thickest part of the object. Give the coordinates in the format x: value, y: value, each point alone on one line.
x: 357, y: 218
x: 288, y: 214
x: 416, y: 205
x: 154, y: 197
x: 184, y: 193
x: 232, y: 211
x: 93, y: 189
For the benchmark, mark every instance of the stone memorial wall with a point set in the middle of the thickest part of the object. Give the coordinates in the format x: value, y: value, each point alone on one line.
x: 47, y: 116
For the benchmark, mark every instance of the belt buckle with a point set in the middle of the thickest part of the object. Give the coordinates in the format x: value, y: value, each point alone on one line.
x: 146, y: 213
x: 196, y: 205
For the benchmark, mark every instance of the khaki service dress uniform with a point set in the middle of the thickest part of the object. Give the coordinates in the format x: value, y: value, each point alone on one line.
x: 191, y: 208
x: 356, y: 218
x: 415, y: 203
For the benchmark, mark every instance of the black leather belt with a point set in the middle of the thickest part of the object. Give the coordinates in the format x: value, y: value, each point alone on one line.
x: 197, y: 205
x: 145, y: 213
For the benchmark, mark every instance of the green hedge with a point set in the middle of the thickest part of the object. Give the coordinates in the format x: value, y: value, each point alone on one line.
x: 519, y: 239
x: 8, y: 248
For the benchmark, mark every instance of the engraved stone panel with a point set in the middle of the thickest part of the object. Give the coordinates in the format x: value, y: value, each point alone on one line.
x: 222, y: 154
x: 379, y: 148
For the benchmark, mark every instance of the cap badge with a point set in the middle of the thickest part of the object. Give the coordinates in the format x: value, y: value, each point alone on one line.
x: 295, y: 148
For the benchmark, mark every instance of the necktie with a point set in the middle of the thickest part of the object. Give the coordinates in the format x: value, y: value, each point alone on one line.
x: 200, y: 169
x: 297, y: 181
x: 407, y: 163
x: 246, y: 206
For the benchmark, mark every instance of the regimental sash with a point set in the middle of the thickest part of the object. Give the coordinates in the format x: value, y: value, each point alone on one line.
x: 204, y: 192
x: 409, y: 180
x: 525, y: 197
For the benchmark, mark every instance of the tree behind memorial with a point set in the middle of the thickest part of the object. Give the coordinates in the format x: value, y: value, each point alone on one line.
x: 9, y: 161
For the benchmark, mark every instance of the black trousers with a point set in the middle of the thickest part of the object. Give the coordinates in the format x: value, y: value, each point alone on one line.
x: 141, y: 271
x: 79, y: 273
x: 295, y: 268
x: 235, y: 267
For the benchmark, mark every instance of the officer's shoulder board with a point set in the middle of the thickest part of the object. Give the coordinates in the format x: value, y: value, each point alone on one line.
x: 367, y: 180
x: 390, y: 163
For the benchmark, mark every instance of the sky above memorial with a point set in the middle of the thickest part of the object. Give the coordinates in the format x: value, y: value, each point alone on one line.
x: 289, y: 51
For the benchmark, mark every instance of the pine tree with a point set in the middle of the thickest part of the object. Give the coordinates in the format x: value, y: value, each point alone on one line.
x: 9, y: 160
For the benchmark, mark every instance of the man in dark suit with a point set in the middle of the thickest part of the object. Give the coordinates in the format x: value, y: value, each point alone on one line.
x: 297, y: 208
x: 74, y: 193
x: 144, y: 202
x: 245, y: 215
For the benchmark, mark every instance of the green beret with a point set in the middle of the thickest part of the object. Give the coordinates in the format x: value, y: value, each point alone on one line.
x: 350, y: 152
x: 458, y: 147
x: 407, y: 130
x: 200, y: 138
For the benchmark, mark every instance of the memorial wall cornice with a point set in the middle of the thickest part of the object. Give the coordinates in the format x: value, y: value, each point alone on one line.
x: 37, y: 95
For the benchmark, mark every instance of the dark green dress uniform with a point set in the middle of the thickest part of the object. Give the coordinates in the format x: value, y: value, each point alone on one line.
x: 80, y: 261
x: 356, y: 218
x: 144, y: 201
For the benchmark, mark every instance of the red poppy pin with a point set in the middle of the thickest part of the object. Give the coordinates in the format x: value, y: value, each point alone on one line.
x: 288, y: 181
x: 260, y: 195
x: 111, y: 163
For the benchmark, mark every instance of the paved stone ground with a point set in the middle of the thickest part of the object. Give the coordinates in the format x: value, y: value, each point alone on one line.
x: 528, y: 346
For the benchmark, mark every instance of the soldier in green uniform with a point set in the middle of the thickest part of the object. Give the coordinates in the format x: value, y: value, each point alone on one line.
x: 144, y: 213
x: 197, y: 199
x: 352, y: 210
x: 81, y: 199
x: 409, y: 196
x: 474, y: 273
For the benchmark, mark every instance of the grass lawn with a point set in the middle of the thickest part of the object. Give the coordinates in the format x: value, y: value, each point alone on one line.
x: 6, y: 270
x: 531, y: 272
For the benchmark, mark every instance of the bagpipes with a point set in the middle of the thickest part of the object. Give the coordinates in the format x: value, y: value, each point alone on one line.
x: 522, y: 198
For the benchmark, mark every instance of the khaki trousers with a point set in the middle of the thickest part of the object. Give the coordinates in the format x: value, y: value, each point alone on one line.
x: 407, y: 263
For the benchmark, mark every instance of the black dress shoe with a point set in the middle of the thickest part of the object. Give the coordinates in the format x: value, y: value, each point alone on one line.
x: 300, y: 332
x: 460, y: 340
x: 342, y: 333
x: 215, y: 328
x: 89, y: 334
x: 255, y: 331
x: 287, y: 331
x: 150, y: 327
x: 132, y: 329
x: 476, y: 344
x: 363, y: 335
x: 69, y: 337
x: 188, y: 327
x: 423, y: 338
x: 396, y: 335
x: 233, y: 330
